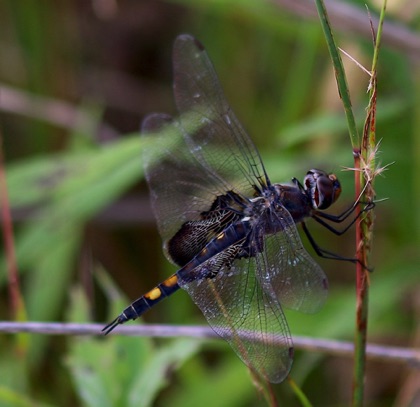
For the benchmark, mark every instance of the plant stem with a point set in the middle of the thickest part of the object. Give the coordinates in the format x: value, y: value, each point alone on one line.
x: 365, y: 162
x: 340, y: 75
x: 364, y: 165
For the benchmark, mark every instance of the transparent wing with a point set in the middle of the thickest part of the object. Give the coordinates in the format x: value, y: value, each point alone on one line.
x: 243, y: 303
x: 180, y: 187
x: 219, y: 141
x: 246, y: 316
x: 285, y: 268
x: 204, y: 155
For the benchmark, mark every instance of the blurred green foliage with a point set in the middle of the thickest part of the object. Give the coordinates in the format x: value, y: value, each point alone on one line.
x: 277, y: 75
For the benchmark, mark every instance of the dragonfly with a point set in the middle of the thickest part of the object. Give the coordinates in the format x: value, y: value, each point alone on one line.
x: 231, y: 231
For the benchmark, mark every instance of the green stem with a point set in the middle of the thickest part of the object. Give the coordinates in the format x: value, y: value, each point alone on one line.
x: 340, y: 75
x: 365, y: 162
x: 364, y: 158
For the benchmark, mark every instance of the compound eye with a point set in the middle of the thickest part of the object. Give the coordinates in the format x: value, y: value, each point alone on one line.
x: 324, y: 189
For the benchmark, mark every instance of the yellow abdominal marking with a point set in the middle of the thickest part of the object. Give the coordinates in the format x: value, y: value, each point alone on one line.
x: 220, y: 236
x: 171, y: 281
x: 153, y: 294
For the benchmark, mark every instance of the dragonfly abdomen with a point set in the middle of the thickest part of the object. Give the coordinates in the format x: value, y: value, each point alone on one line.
x: 144, y: 303
x: 220, y: 251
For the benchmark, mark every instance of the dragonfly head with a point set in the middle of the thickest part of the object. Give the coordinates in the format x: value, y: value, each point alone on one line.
x: 322, y: 188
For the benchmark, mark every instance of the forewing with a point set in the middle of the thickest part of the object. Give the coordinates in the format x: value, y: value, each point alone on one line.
x: 204, y: 155
x: 180, y: 187
x: 285, y: 268
x: 219, y: 143
x: 245, y: 315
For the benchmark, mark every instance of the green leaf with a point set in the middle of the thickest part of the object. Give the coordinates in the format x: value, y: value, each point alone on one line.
x: 158, y: 370
x: 124, y: 371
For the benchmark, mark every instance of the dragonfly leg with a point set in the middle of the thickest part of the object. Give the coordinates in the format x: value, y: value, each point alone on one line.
x: 326, y: 254
x: 338, y: 219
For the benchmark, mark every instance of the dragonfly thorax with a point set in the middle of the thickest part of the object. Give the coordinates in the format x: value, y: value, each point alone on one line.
x: 294, y: 198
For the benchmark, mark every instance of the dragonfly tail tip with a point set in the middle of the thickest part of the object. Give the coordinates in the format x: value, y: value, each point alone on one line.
x: 111, y: 326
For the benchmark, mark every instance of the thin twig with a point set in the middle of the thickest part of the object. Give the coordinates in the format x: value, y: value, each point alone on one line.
x: 333, y: 347
x: 366, y: 71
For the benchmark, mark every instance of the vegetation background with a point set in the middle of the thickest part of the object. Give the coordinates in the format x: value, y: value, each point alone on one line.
x: 76, y: 79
